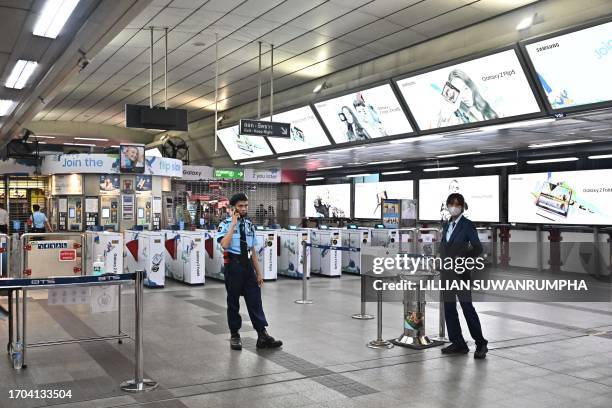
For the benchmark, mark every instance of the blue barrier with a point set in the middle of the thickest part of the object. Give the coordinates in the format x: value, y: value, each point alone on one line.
x: 65, y: 280
x: 336, y: 248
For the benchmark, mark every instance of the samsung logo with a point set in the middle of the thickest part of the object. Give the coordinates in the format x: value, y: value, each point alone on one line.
x: 547, y: 47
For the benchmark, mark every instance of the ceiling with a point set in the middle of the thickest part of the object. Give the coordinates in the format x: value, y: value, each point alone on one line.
x: 311, y: 38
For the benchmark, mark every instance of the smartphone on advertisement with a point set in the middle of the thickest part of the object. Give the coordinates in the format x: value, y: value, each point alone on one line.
x: 451, y: 93
x: 555, y: 199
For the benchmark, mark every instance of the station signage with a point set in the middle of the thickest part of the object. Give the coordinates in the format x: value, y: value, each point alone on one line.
x: 86, y: 163
x: 251, y: 127
x: 229, y: 174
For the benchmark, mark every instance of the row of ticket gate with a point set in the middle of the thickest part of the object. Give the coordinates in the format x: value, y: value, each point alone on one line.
x: 189, y: 256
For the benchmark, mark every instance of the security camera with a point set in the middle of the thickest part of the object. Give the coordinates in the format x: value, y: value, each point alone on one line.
x: 83, y: 63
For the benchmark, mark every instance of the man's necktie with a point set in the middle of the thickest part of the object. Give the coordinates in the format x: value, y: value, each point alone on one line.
x: 244, y: 249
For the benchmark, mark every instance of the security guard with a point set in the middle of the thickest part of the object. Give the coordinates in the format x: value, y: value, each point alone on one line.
x: 242, y: 274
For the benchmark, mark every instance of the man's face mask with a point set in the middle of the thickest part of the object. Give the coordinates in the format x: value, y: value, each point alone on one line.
x: 454, y: 211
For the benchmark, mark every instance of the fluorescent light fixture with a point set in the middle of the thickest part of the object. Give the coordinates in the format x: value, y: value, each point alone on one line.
x: 323, y: 85
x: 347, y: 149
x: 43, y: 137
x: 314, y: 178
x: 384, y: 162
x: 95, y: 139
x: 220, y: 118
x: 80, y: 144
x: 386, y: 173
x: 525, y: 23
x: 329, y: 167
x: 154, y: 152
x: 22, y: 71
x: 291, y: 157
x: 116, y: 146
x: 601, y: 156
x: 252, y: 162
x: 359, y: 175
x: 6, y: 106
x: 504, y: 164
x: 53, y: 16
x: 30, y: 141
x: 417, y: 139
x: 440, y: 169
x: 557, y: 160
x: 563, y: 143
x: 524, y: 123
x: 443, y: 156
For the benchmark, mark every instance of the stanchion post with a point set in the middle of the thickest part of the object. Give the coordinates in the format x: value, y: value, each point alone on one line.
x: 441, y: 319
x: 139, y: 383
x: 363, y: 315
x: 304, y: 300
x: 379, y: 343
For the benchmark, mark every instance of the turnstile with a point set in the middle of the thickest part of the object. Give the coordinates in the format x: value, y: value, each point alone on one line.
x: 213, y: 256
x: 145, y: 251
x: 354, y: 238
x: 325, y: 261
x: 185, y: 256
x: 292, y: 252
x: 428, y: 241
x: 106, y: 246
x: 267, y: 252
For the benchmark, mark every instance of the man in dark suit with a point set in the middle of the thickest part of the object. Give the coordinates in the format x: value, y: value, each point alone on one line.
x: 460, y: 240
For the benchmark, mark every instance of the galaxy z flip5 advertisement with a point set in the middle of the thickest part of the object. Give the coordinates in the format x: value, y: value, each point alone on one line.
x: 306, y: 132
x: 565, y: 197
x: 479, y: 90
x: 574, y: 69
x: 364, y: 115
x: 242, y: 147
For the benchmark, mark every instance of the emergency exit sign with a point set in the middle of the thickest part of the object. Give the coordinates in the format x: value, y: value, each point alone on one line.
x: 229, y: 174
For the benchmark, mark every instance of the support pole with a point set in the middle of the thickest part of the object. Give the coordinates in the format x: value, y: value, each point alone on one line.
x: 139, y: 383
x: 259, y: 85
x: 363, y: 315
x: 216, y: 87
x: 151, y: 69
x: 539, y: 248
x: 271, y: 82
x: 166, y: 68
x: 379, y: 343
x: 596, y: 271
x: 304, y: 300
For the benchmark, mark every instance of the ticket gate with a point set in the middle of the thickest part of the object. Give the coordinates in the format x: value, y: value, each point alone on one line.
x: 144, y: 250
x: 325, y: 261
x: 213, y: 255
x: 354, y: 238
x: 292, y: 252
x: 407, y: 240
x: 185, y: 256
x: 485, y: 235
x: 104, y: 246
x: 428, y: 241
x: 384, y: 237
x: 267, y: 252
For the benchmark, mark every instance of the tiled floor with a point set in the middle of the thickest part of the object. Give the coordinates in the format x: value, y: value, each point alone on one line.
x: 542, y: 355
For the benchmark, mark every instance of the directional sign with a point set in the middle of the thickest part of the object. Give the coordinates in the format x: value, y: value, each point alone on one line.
x: 264, y: 128
x: 229, y: 174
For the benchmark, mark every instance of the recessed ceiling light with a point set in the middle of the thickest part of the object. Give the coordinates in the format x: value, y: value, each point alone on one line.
x: 116, y: 146
x: 20, y: 74
x: 329, y: 167
x: 252, y: 162
x: 562, y: 143
x: 396, y: 172
x: 314, y: 178
x: 440, y: 169
x: 384, y: 162
x: 525, y: 23
x: 557, y: 160
x: 91, y: 138
x: 43, y: 137
x: 443, y: 156
x: 6, y: 106
x: 601, y: 156
x: 53, y: 16
x: 80, y: 144
x: 483, y: 166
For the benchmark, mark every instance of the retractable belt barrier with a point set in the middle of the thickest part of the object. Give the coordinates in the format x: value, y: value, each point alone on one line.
x: 335, y: 248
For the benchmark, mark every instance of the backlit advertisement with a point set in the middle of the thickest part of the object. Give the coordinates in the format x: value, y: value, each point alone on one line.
x: 242, y: 147
x: 481, y: 195
x: 328, y: 201
x: 565, y: 197
x: 369, y: 196
x: 574, y: 69
x: 483, y: 89
x: 306, y: 132
x: 364, y: 115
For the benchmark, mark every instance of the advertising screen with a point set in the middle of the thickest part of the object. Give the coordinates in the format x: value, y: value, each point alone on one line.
x: 143, y: 183
x: 481, y: 195
x: 242, y: 147
x: 368, y: 196
x: 565, y: 197
x: 574, y: 69
x: 132, y: 158
x: 363, y: 115
x: 329, y: 201
x: 482, y: 89
x: 109, y: 184
x: 306, y: 132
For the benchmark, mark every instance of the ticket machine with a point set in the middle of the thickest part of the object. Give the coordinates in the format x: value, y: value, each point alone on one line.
x: 292, y: 252
x: 91, y: 213
x: 325, y: 261
x: 357, y: 238
x: 267, y: 251
x: 74, y: 220
x: 109, y: 212
x: 144, y: 211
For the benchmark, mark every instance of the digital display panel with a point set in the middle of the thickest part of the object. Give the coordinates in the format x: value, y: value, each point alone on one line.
x: 479, y: 90
x: 243, y: 147
x: 132, y: 158
x: 574, y: 69
x: 368, y: 196
x: 306, y: 132
x: 363, y: 115
x: 109, y: 184
x: 328, y: 201
x: 143, y: 183
x: 564, y: 197
x: 481, y: 194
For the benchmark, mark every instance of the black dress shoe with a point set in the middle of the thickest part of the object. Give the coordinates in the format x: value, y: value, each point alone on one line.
x: 456, y: 349
x: 235, y: 342
x: 266, y: 341
x: 481, y: 352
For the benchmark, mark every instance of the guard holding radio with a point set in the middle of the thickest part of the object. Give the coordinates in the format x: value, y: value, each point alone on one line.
x: 242, y: 274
